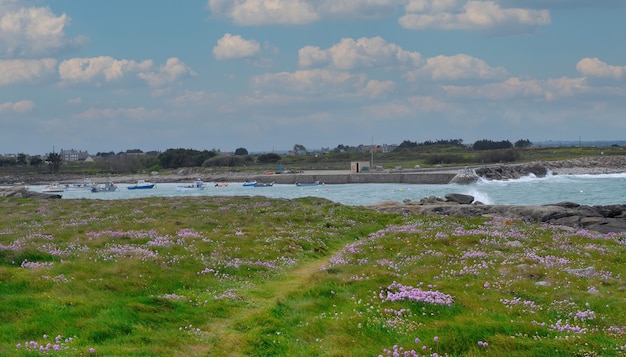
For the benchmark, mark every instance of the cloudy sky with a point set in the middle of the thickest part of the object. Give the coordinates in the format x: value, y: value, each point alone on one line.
x: 269, y: 74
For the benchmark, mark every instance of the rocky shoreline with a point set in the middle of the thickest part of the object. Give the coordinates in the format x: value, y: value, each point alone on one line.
x: 603, y: 219
x: 571, y: 215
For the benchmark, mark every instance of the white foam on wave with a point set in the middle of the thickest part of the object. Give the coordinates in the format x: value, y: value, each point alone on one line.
x: 480, y: 196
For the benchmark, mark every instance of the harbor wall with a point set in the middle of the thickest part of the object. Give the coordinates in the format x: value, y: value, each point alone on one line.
x: 408, y: 178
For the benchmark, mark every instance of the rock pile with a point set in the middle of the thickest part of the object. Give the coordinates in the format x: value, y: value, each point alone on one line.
x: 21, y: 191
x: 603, y: 219
x: 508, y: 172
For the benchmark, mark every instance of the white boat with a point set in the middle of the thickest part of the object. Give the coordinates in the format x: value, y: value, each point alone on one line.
x: 54, y: 188
x: 313, y: 183
x: 141, y: 185
x: 106, y: 187
x: 85, y: 185
x: 264, y: 184
x: 249, y: 183
x: 195, y: 186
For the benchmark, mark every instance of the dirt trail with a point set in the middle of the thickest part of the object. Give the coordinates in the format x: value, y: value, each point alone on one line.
x: 223, y: 334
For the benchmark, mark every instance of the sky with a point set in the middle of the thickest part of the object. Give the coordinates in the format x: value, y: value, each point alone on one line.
x: 266, y: 75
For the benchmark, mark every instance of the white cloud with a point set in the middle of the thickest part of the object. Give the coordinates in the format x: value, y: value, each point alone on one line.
x: 173, y: 70
x: 190, y: 97
x: 311, y: 81
x: 365, y: 52
x: 456, y: 67
x: 516, y: 88
x: 300, y: 12
x: 563, y: 4
x: 362, y: 9
x: 470, y: 15
x: 112, y: 113
x: 20, y: 107
x: 265, y: 12
x: 593, y: 67
x: 375, y: 88
x: 387, y: 110
x: 74, y: 101
x: 234, y: 46
x: 26, y: 71
x: 96, y: 69
x: 427, y: 104
x: 33, y: 31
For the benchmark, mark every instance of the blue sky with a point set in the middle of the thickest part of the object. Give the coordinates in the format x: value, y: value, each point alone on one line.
x: 269, y: 74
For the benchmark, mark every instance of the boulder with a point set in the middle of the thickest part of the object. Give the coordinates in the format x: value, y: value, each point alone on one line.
x: 20, y: 191
x: 459, y: 198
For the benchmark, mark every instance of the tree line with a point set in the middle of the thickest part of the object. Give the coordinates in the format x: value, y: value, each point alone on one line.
x: 136, y: 160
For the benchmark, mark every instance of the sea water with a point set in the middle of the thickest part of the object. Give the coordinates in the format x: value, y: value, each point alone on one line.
x: 604, y: 189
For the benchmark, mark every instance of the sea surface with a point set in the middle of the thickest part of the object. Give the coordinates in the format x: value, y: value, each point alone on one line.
x: 604, y: 189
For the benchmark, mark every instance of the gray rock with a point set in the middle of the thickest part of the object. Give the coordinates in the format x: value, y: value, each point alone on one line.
x: 459, y: 198
x: 602, y: 219
x: 20, y: 191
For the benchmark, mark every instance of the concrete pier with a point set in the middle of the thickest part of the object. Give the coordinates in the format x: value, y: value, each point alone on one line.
x: 341, y: 177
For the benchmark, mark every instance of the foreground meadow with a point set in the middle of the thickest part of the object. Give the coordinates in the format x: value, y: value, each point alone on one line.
x: 252, y: 276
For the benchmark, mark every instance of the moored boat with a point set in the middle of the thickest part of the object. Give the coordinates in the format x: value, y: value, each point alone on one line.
x: 249, y: 183
x: 221, y: 184
x: 313, y: 183
x: 195, y: 186
x: 85, y: 185
x: 264, y: 184
x: 141, y: 185
x: 54, y: 187
x: 108, y: 186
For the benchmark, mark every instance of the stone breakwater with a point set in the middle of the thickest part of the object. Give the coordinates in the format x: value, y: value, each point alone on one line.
x: 603, y: 219
x: 408, y: 177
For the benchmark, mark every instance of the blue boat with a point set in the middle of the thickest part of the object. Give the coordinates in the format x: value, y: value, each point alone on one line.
x: 249, y: 183
x: 141, y: 185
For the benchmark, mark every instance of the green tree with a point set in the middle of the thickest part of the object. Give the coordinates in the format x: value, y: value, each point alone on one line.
x: 54, y: 161
x: 523, y: 143
x: 299, y: 149
x: 269, y: 158
x: 241, y: 151
x: 35, y: 161
x: 22, y: 159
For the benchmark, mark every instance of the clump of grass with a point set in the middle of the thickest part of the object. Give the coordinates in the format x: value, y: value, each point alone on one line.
x: 258, y: 276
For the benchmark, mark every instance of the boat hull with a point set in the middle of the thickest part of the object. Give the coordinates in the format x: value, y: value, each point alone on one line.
x: 145, y: 187
x: 315, y: 183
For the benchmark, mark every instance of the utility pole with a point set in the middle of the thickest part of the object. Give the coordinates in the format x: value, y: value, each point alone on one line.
x: 372, y: 155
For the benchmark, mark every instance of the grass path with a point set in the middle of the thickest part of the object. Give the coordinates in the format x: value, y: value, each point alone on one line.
x: 223, y: 333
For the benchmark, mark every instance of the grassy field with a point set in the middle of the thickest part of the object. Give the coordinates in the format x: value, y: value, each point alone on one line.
x: 252, y: 276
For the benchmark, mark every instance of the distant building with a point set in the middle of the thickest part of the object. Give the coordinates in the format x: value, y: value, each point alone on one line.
x: 75, y: 155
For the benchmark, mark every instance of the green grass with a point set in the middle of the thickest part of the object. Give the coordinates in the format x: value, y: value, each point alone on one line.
x: 252, y: 276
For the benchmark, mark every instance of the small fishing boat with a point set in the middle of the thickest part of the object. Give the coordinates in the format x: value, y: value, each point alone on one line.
x: 141, y: 185
x: 54, y: 187
x: 197, y: 185
x: 313, y: 183
x: 249, y: 183
x: 85, y: 185
x: 221, y: 184
x: 108, y: 186
x: 264, y: 184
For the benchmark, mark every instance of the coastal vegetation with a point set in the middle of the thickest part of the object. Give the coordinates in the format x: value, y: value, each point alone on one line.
x: 405, y: 155
x: 253, y: 276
